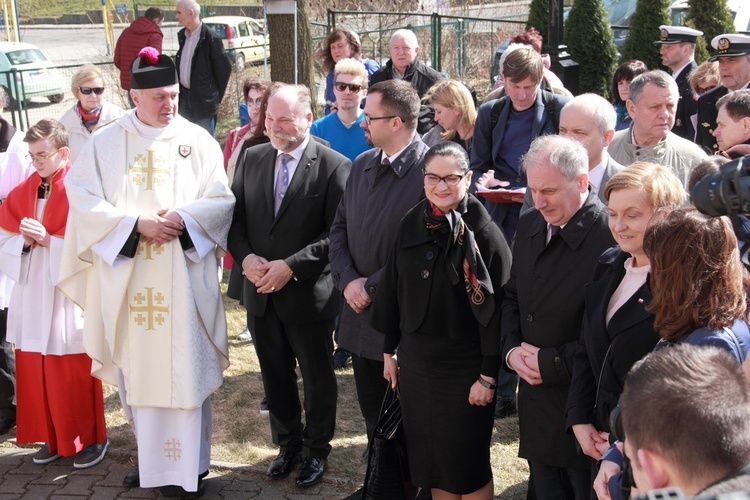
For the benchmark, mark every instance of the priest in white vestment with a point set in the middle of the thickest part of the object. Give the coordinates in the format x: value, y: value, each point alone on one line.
x: 150, y: 212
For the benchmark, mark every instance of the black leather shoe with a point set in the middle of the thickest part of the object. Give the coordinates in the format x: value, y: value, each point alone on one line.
x: 132, y: 479
x: 172, y: 491
x: 311, y: 471
x: 505, y: 408
x: 282, y: 464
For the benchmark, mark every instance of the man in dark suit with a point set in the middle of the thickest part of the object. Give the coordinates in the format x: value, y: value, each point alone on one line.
x: 385, y: 183
x: 557, y: 247
x: 678, y: 54
x: 287, y: 193
x: 733, y: 54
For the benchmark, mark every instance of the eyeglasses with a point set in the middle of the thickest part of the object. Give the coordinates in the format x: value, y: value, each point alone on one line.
x: 353, y: 87
x: 257, y: 102
x: 369, y: 119
x: 451, y: 180
x: 89, y: 90
x: 703, y: 90
x: 41, y: 157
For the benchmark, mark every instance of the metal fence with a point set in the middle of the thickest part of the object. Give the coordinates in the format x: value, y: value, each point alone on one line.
x: 462, y: 46
x: 23, y: 111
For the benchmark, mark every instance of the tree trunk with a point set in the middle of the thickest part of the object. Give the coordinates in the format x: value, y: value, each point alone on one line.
x: 281, y: 39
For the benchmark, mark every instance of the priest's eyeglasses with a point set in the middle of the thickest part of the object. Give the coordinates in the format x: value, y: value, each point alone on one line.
x: 89, y: 90
x: 369, y: 118
x: 451, y: 180
x: 41, y: 157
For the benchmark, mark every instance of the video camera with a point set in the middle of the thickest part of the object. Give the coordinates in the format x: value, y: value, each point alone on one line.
x: 725, y: 193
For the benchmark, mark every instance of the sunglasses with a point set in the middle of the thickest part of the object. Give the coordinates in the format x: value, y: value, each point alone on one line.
x: 353, y: 87
x: 89, y: 90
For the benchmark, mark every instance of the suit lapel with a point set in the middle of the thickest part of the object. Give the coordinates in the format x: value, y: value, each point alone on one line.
x: 301, y: 175
x: 268, y: 166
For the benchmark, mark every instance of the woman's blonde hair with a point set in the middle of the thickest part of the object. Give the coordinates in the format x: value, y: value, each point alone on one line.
x: 661, y: 188
x: 453, y: 94
x: 88, y: 72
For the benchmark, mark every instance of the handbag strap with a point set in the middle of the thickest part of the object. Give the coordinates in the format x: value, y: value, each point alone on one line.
x: 736, y: 343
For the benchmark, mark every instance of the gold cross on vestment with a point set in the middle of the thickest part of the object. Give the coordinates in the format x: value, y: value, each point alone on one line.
x: 148, y: 250
x: 153, y: 309
x: 154, y: 170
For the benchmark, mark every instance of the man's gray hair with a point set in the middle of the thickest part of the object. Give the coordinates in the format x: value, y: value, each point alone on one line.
x: 191, y: 5
x: 304, y: 100
x: 3, y: 98
x: 605, y: 117
x: 406, y: 34
x: 566, y: 155
x: 655, y: 77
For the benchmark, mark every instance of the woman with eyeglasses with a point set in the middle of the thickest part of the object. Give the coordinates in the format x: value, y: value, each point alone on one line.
x: 455, y: 113
x: 91, y: 111
x: 252, y: 100
x: 438, y: 304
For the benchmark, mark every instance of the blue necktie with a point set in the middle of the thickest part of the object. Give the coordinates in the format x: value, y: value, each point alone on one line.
x: 282, y: 182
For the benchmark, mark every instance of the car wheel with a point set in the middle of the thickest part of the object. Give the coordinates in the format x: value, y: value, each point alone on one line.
x: 240, y: 63
x: 54, y: 99
x: 10, y: 103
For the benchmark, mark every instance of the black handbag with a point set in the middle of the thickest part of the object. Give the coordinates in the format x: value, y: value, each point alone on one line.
x: 387, y: 468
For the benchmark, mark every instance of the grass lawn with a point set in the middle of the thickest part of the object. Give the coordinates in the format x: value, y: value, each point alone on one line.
x: 242, y: 435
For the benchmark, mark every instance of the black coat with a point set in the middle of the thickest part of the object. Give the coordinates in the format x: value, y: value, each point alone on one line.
x: 421, y: 77
x: 298, y: 233
x: 707, y: 114
x: 606, y: 352
x: 543, y: 306
x: 209, y: 73
x: 402, y: 303
x: 364, y: 231
x: 687, y: 106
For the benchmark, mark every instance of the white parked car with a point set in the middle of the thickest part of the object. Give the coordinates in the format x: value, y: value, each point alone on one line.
x: 26, y: 72
x: 243, y: 37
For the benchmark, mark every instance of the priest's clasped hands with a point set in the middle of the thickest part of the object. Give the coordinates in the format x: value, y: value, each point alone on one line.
x: 160, y: 227
x: 525, y: 361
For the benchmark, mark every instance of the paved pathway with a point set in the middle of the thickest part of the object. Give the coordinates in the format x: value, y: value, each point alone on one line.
x: 21, y: 478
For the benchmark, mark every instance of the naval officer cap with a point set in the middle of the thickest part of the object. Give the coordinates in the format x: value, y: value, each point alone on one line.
x: 730, y: 45
x: 151, y: 70
x: 677, y: 34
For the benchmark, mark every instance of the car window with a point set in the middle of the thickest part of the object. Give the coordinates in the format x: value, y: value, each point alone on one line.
x: 219, y: 29
x: 25, y: 56
x: 243, y: 29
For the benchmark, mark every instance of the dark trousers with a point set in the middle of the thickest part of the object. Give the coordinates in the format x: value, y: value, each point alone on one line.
x: 186, y: 111
x: 371, y: 386
x: 557, y: 483
x: 7, y: 374
x: 280, y: 346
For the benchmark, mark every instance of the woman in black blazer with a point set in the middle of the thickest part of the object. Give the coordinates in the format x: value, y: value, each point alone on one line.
x: 438, y: 303
x: 617, y: 329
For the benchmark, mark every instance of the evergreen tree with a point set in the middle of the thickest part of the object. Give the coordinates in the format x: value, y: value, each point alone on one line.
x: 713, y: 18
x: 539, y: 17
x: 644, y: 31
x: 591, y: 44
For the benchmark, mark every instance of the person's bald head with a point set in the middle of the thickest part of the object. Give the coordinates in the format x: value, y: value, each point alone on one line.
x: 590, y: 120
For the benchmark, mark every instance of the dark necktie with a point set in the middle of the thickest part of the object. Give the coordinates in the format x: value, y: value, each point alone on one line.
x: 282, y: 182
x: 554, y: 232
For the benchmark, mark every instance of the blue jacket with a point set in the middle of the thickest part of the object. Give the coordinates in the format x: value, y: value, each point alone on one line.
x: 486, y: 146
